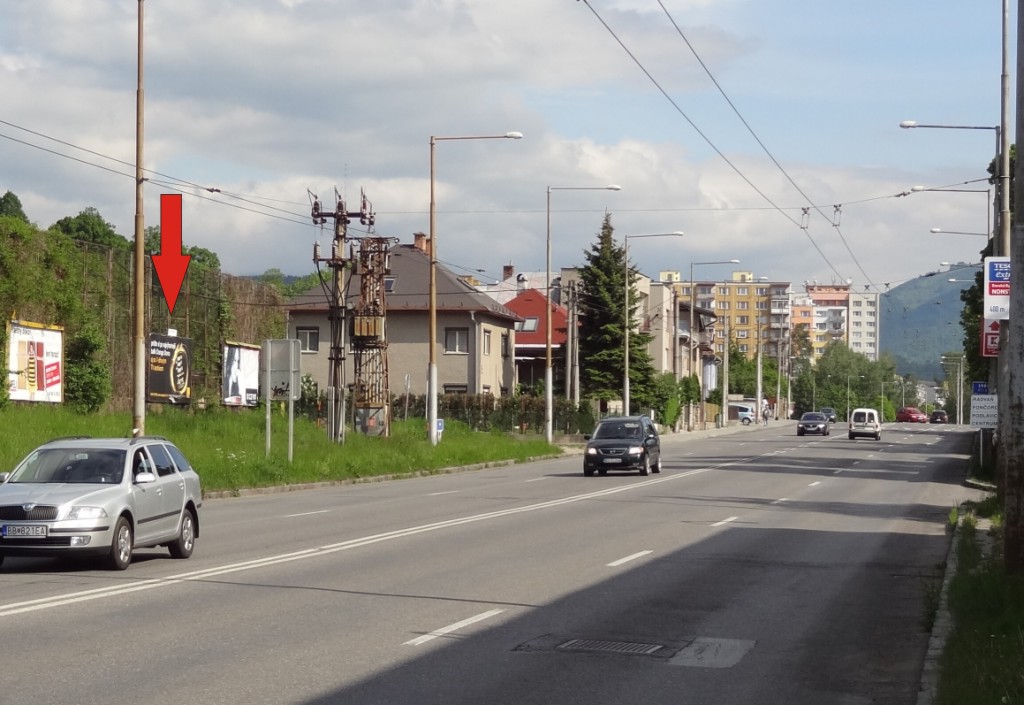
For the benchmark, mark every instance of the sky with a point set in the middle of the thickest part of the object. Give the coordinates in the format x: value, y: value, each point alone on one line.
x: 765, y: 130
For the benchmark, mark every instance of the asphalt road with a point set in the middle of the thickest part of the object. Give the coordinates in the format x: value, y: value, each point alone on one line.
x: 758, y: 568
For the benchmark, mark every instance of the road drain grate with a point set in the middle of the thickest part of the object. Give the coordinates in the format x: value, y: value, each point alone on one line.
x: 618, y: 647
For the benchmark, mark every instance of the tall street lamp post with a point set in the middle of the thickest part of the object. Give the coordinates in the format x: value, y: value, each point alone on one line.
x: 959, y: 362
x: 692, y: 345
x: 625, y: 314
x: 548, y: 393
x: 848, y: 378
x: 432, y: 332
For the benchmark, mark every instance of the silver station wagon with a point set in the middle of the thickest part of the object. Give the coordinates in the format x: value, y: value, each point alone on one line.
x: 101, y: 497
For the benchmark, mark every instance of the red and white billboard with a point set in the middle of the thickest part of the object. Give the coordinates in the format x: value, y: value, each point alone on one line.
x: 35, y: 362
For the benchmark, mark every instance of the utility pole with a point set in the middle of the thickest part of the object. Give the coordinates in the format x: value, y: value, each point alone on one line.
x: 139, y: 333
x: 336, y: 383
x: 371, y: 403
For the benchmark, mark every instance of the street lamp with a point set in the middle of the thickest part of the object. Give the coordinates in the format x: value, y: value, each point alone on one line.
x: 548, y: 393
x: 625, y: 314
x: 959, y: 362
x: 955, y: 232
x: 690, y: 361
x: 432, y: 333
x: 848, y: 378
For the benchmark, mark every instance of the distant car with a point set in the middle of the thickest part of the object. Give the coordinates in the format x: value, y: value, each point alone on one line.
x: 101, y: 497
x: 829, y: 413
x: 623, y: 443
x: 812, y: 422
x: 745, y: 413
x: 911, y: 414
x: 938, y: 416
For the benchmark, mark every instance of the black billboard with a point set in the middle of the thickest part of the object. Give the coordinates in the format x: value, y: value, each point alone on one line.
x: 170, y: 370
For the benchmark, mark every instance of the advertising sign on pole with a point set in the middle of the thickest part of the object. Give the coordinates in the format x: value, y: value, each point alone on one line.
x: 997, y: 288
x: 35, y: 362
x: 240, y: 385
x: 990, y: 338
x: 282, y: 382
x: 170, y: 370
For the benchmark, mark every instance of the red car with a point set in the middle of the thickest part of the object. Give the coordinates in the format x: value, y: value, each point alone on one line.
x: 911, y: 414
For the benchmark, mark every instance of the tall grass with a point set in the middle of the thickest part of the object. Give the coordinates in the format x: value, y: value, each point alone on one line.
x: 228, y: 447
x: 983, y: 662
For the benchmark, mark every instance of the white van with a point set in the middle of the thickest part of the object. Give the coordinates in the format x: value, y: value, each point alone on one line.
x: 865, y: 422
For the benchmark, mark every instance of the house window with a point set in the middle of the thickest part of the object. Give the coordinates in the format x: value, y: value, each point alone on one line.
x: 487, y: 342
x: 743, y: 305
x: 723, y: 305
x: 742, y: 334
x: 743, y: 347
x: 527, y: 326
x: 742, y: 320
x: 456, y: 340
x: 309, y: 339
x: 504, y: 344
x: 742, y: 291
x: 389, y: 284
x: 455, y: 389
x: 723, y: 291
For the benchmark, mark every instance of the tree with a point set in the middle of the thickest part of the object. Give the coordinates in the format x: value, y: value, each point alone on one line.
x: 89, y: 226
x: 10, y: 205
x: 602, y: 337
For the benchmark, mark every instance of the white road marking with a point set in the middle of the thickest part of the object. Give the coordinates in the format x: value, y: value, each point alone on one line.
x: 438, y: 494
x: 306, y: 514
x: 816, y: 482
x: 725, y: 521
x: 451, y: 628
x: 536, y: 479
x: 627, y: 559
x: 780, y: 500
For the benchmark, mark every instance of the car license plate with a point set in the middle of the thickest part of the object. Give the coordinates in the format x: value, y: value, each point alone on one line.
x: 30, y: 531
x: 613, y: 460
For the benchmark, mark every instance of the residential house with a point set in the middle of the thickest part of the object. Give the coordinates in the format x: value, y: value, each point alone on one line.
x: 531, y: 349
x: 475, y: 334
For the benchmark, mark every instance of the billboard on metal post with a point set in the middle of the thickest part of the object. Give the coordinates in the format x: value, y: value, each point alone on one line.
x: 240, y: 384
x: 170, y: 370
x: 35, y: 362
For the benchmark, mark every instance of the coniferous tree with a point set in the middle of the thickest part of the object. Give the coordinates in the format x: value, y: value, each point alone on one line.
x: 602, y: 339
x: 10, y: 205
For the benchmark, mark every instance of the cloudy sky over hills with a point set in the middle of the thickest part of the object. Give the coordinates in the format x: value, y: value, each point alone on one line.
x: 767, y: 130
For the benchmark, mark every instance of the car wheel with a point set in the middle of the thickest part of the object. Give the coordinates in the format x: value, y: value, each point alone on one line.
x: 183, y: 546
x: 878, y: 436
x: 1, y: 560
x: 657, y: 466
x: 799, y: 433
x: 602, y: 472
x: 852, y: 436
x: 589, y: 472
x: 645, y: 466
x: 121, y: 545
x: 746, y: 422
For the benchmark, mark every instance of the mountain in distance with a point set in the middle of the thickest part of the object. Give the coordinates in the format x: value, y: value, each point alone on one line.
x: 920, y: 320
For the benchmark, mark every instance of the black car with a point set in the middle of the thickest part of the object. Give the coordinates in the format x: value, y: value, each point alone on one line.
x: 938, y: 416
x: 829, y: 412
x: 813, y: 422
x: 623, y: 443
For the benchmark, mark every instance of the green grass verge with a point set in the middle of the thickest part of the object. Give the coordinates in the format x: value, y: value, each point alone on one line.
x: 983, y: 662
x: 228, y: 447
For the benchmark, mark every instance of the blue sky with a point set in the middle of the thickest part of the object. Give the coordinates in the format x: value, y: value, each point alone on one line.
x: 268, y: 98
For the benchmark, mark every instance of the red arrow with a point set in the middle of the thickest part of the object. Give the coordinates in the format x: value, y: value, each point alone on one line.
x: 171, y: 266
x: 994, y: 326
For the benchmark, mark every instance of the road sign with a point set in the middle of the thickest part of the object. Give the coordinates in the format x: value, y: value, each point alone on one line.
x: 984, y: 410
x: 997, y: 288
x: 979, y: 387
x: 990, y: 338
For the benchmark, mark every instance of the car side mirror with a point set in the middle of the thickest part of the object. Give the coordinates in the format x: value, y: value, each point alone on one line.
x: 145, y: 478
x: 4, y: 476
x: 586, y: 436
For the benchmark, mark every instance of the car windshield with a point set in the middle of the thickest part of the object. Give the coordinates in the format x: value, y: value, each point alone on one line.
x: 812, y: 416
x: 75, y: 465
x: 617, y: 429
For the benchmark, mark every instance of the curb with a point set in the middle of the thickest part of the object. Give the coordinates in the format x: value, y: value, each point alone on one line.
x: 942, y: 625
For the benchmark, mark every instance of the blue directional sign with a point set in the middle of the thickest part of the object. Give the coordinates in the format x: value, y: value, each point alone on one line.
x: 979, y: 387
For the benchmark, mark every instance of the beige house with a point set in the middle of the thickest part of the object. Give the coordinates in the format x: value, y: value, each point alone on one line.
x: 475, y: 334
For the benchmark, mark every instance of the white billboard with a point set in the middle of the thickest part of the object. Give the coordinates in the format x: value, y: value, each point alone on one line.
x: 35, y: 362
x: 240, y: 385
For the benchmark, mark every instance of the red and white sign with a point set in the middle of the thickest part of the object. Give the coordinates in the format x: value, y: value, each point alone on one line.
x: 990, y: 338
